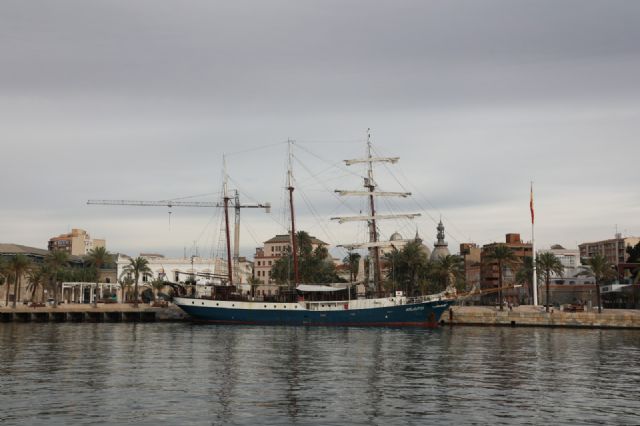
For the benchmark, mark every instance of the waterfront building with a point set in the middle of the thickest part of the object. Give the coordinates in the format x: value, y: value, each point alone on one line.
x: 570, y: 259
x: 180, y: 270
x: 77, y: 242
x: 470, y: 253
x: 267, y: 255
x: 490, y: 273
x: 614, y: 249
x: 36, y: 256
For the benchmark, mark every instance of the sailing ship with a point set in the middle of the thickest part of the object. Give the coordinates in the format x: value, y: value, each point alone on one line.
x: 323, y: 304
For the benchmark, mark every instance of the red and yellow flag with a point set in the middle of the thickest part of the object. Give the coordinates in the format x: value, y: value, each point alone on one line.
x: 531, y: 204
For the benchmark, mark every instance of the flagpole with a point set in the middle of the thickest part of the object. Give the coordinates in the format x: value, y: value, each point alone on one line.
x: 534, y: 282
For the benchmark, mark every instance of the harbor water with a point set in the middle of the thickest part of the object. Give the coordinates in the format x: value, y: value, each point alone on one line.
x: 180, y: 373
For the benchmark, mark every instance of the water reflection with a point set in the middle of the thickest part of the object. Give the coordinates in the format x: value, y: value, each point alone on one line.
x: 197, y: 374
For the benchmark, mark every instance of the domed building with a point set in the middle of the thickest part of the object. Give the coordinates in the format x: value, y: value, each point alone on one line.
x: 441, y: 248
x: 398, y: 242
x: 395, y: 237
x: 425, y: 248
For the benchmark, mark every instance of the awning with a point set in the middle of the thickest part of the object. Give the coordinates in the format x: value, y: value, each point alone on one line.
x: 307, y: 288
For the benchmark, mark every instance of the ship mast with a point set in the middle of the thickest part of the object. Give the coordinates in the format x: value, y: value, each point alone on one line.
x: 294, y: 243
x: 369, y: 183
x: 226, y: 199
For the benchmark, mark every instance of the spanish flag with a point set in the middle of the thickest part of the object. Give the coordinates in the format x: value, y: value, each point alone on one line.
x: 531, y: 204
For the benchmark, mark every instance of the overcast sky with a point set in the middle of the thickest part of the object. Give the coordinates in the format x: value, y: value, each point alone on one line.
x: 141, y: 99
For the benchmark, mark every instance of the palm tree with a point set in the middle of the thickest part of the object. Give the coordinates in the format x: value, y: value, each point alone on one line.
x: 600, y: 269
x: 352, y: 260
x: 5, y: 278
x: 97, y: 258
x: 254, y: 282
x: 503, y: 256
x: 524, y: 275
x: 407, y: 266
x: 125, y: 282
x: 548, y: 264
x: 57, y: 260
x: 448, y: 269
x: 18, y: 265
x: 138, y: 266
x: 38, y: 277
x: 157, y: 285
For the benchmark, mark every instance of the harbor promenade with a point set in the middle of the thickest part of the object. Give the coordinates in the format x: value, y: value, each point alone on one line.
x: 112, y: 312
x: 537, y: 317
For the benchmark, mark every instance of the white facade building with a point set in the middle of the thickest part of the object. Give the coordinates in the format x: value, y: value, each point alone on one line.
x: 574, y: 272
x: 179, y: 270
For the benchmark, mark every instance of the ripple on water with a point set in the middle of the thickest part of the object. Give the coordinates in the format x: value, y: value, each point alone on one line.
x: 183, y: 373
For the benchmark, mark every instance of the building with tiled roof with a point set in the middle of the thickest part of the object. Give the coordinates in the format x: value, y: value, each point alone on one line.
x: 266, y: 256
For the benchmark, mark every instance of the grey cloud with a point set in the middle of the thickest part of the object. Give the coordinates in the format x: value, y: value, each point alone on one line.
x: 140, y: 100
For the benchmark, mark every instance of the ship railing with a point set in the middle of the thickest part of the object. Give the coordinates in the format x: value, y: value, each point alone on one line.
x: 427, y: 298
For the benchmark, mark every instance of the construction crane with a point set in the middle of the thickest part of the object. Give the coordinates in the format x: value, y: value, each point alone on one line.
x: 228, y: 202
x: 163, y: 203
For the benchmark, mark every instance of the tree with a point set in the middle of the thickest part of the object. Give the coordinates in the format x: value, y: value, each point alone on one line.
x: 634, y: 253
x: 352, y: 261
x: 548, y: 264
x: 5, y: 276
x: 39, y: 277
x: 448, y: 269
x: 58, y: 261
x: 503, y: 256
x: 125, y: 282
x: 138, y: 266
x: 254, y: 282
x: 97, y: 258
x: 524, y: 275
x: 157, y: 285
x: 18, y: 265
x: 314, y: 265
x: 408, y: 267
x: 600, y: 269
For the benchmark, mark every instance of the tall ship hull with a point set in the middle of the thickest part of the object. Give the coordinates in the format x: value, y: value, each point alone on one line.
x: 392, y: 312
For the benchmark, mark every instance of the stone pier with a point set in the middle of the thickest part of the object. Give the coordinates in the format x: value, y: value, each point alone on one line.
x: 537, y: 317
x: 87, y: 313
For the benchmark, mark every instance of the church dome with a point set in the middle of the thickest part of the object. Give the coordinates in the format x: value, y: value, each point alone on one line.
x: 440, y: 248
x: 439, y: 252
x: 425, y: 249
x: 395, y: 237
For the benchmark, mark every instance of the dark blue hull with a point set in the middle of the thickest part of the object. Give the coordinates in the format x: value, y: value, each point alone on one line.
x: 425, y: 314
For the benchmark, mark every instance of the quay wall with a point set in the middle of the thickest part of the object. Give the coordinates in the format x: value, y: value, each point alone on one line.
x: 537, y: 317
x: 87, y: 313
